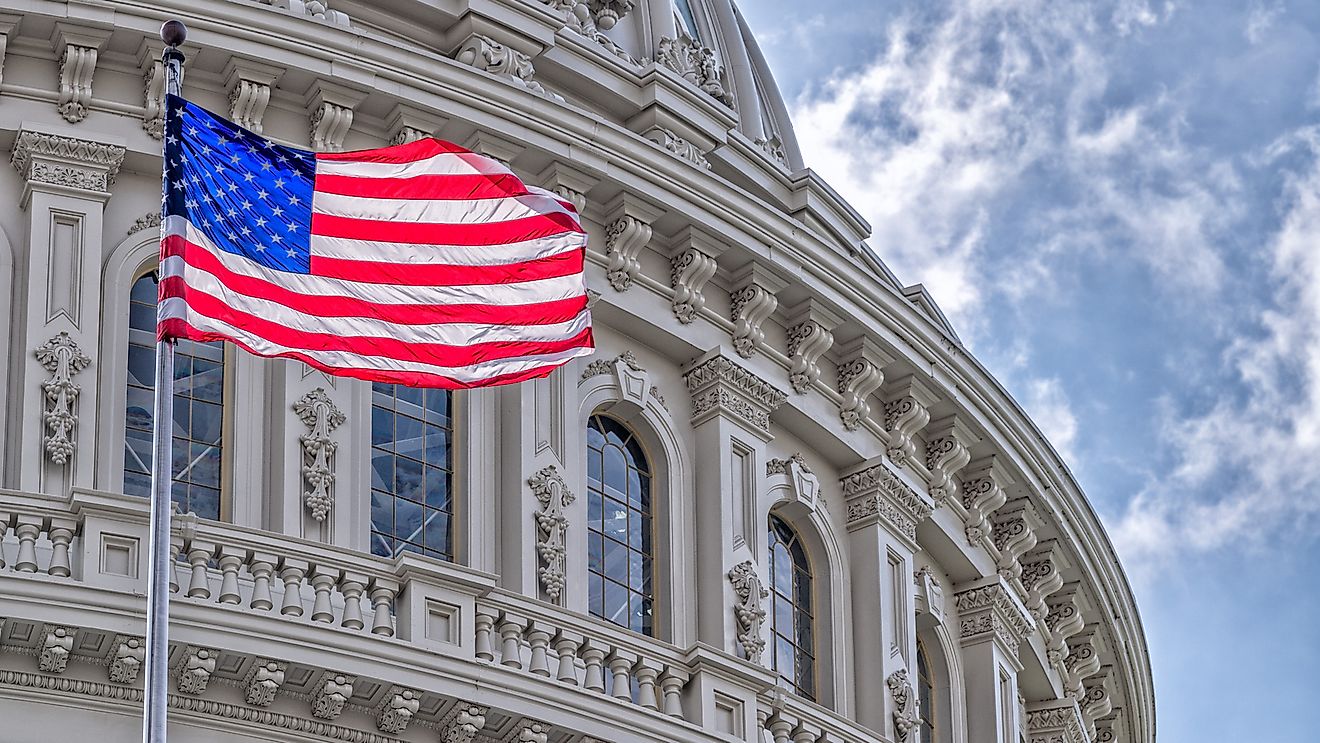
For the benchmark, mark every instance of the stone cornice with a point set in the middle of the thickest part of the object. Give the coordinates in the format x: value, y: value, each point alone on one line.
x: 877, y: 493
x: 67, y: 162
x: 1055, y: 721
x: 991, y: 611
x: 720, y: 386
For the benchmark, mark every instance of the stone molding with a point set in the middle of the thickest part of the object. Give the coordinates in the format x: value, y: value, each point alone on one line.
x: 678, y: 146
x: 719, y: 386
x: 332, y: 692
x: 877, y: 493
x: 991, y: 611
x: 263, y: 681
x: 318, y: 412
x: 56, y: 160
x: 696, y: 64
x: 552, y: 525
x: 397, y: 709
x: 62, y: 357
x: 1055, y: 721
x: 748, y: 609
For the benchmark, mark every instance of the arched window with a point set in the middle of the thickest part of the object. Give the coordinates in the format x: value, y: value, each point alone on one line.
x: 686, y: 19
x: 620, y: 543
x: 794, y: 632
x: 199, y: 385
x: 411, y: 504
x: 925, y: 695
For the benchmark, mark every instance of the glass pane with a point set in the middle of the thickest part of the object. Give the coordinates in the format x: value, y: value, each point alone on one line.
x: 382, y: 428
x: 382, y: 471
x: 408, y: 479
x: 635, y: 560
x: 437, y: 532
x: 783, y: 570
x: 595, y: 553
x: 616, y: 603
x: 616, y: 519
x: 437, y: 446
x: 407, y: 520
x: 411, y: 474
x: 783, y: 614
x: 382, y: 513
x: 595, y: 509
x: 410, y: 395
x: 409, y: 441
x: 785, y: 654
x: 616, y: 473
x: 594, y: 467
x: 596, y: 597
x: 437, y: 488
x: 616, y: 560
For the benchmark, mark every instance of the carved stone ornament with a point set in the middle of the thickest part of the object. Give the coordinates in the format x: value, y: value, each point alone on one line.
x: 858, y: 378
x: 946, y: 453
x: 690, y: 269
x: 1096, y: 701
x: 606, y: 366
x: 153, y: 94
x: 126, y: 659
x: 318, y: 412
x: 930, y: 592
x: 749, y: 306
x: 262, y: 682
x: 1060, y: 722
x: 906, y: 715
x: 397, y: 710
x: 248, y: 98
x: 721, y: 387
x: 904, y: 416
x: 64, y: 161
x: 551, y: 523
x: 749, y: 594
x: 696, y: 63
x: 1041, y: 577
x: 982, y: 494
x: 504, y: 62
x: 330, y: 123
x: 1015, y: 526
x: 578, y: 15
x: 77, y: 64
x: 195, y: 673
x: 56, y: 646
x: 63, y: 359
x: 774, y: 147
x: 624, y: 239
x: 531, y: 732
x: 145, y: 222
x: 803, y: 483
x: 330, y: 695
x: 807, y: 342
x: 463, y: 723
x: 878, y: 493
x: 607, y: 13
x: 992, y: 612
x: 676, y: 145
x: 1063, y: 621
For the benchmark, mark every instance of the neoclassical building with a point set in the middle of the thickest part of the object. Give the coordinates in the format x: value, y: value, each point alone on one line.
x: 780, y: 504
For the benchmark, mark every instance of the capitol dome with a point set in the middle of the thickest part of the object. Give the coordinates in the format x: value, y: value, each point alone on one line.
x: 780, y: 504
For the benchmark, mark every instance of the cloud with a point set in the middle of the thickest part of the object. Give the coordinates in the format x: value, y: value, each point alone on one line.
x: 1260, y: 19
x: 1048, y: 404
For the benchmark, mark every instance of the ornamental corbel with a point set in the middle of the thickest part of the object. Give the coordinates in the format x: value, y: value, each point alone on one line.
x: 568, y: 183
x: 551, y: 524
x: 749, y: 595
x: 56, y: 646
x: 1096, y: 701
x: 500, y: 149
x: 1083, y: 661
x: 318, y: 412
x: 810, y: 336
x: 249, y: 85
x: 1063, y: 621
x: 607, y: 13
x: 907, y: 410
x: 1014, y: 532
x: 628, y: 231
x: 1042, y: 575
x: 330, y: 114
x: 691, y: 264
x: 153, y: 88
x: 78, y: 49
x: 750, y: 303
x: 7, y: 23
x: 861, y: 372
x: 906, y: 715
x: 397, y: 709
x: 463, y: 723
x: 63, y: 359
x: 126, y: 659
x: 263, y: 681
x: 502, y: 61
x: 948, y: 442
x: 983, y: 490
x: 196, y: 669
x: 330, y: 695
x: 407, y: 124
x: 530, y: 731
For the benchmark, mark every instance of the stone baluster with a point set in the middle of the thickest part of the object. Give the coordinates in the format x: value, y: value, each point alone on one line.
x: 231, y: 559
x: 646, y: 672
x: 383, y: 591
x: 538, y: 638
x: 672, y: 682
x: 4, y: 529
x: 593, y: 657
x: 483, y: 624
x: 199, y: 581
x: 566, y: 645
x: 780, y: 728
x: 262, y: 568
x: 806, y: 732
x: 176, y: 547
x: 621, y: 662
x: 292, y: 573
x: 352, y: 586
x: 27, y: 530
x: 61, y: 534
x: 323, y: 582
x: 511, y: 629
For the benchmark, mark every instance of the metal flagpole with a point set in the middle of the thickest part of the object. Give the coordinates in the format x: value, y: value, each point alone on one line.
x: 156, y: 698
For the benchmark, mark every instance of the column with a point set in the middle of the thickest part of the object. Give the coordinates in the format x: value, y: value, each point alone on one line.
x: 992, y: 623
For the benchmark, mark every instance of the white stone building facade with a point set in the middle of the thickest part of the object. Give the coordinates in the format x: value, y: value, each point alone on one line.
x: 780, y: 504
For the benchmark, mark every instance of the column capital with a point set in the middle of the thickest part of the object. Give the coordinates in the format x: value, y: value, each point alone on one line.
x: 989, y: 611
x: 57, y: 162
x: 875, y: 493
x: 1054, y: 721
x: 720, y: 386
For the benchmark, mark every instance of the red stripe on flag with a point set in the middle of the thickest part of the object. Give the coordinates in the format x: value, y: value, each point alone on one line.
x: 401, y: 153
x: 428, y: 187
x: 429, y: 274
x: 424, y: 233
x: 439, y: 354
x: 541, y: 313
x: 178, y: 328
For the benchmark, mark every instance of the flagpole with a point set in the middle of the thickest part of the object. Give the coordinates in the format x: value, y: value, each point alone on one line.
x: 156, y: 692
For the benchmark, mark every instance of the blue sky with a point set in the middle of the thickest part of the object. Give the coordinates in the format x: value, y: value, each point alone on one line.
x: 1117, y: 202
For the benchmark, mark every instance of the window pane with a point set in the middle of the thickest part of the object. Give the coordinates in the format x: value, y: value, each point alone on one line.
x: 411, y: 479
x: 619, y: 525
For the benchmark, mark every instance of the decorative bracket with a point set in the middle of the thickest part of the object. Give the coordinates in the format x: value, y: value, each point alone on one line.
x: 407, y: 124
x: 628, y: 232
x: 153, y: 88
x: 318, y: 412
x: 676, y: 145
x: 906, y: 715
x: 504, y: 62
x: 62, y: 358
x: 906, y: 412
x: 249, y: 85
x: 607, y: 13
x: 398, y: 709
x: 126, y: 659
x: 56, y: 646
x: 263, y: 681
x: 947, y: 442
x: 751, y: 302
x: 983, y: 491
x: 861, y: 372
x: 568, y: 183
x: 810, y: 336
x: 1015, y: 526
x: 552, y: 523
x: 331, y: 694
x: 749, y: 594
x: 463, y: 723
x: 1063, y: 621
x: 330, y: 111
x: 198, y: 665
x: 692, y: 264
x: 78, y: 49
x: 1042, y: 575
x: 929, y: 592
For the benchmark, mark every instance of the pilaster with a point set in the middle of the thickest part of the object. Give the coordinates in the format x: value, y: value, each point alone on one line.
x: 991, y: 625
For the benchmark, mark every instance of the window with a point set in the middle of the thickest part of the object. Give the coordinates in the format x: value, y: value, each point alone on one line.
x: 925, y: 695
x: 199, y: 384
x: 791, y: 620
x: 687, y: 22
x: 411, y: 473
x: 620, y: 543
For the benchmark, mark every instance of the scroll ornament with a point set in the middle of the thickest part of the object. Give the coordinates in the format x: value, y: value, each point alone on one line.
x: 62, y: 358
x: 551, y: 523
x: 747, y: 608
x: 318, y: 412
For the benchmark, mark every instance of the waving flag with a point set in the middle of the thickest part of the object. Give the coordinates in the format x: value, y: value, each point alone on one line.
x: 423, y: 264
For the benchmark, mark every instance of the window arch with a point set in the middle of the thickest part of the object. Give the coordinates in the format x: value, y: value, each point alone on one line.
x: 412, y: 505
x: 198, y: 426
x: 792, y: 617
x: 925, y: 695
x: 620, y: 527
x: 686, y: 19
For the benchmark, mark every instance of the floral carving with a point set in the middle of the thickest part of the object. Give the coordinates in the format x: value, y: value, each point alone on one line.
x: 248, y: 99
x: 946, y: 453
x: 65, y: 161
x: 676, y: 145
x: 397, y: 710
x: 263, y: 682
x: 506, y: 63
x: 554, y: 497
x: 747, y: 609
x: 329, y: 698
x: 63, y: 359
x: 126, y: 659
x: 153, y: 109
x: 318, y: 412
x: 858, y: 378
x: 991, y: 610
x: 877, y: 491
x: 77, y: 64
x: 607, y: 13
x: 600, y: 367
x: 750, y: 305
x: 56, y: 645
x: 696, y: 63
x: 145, y: 222
x: 198, y: 665
x: 718, y: 385
x: 906, y: 715
x: 330, y: 123
x: 903, y: 418
x: 463, y: 723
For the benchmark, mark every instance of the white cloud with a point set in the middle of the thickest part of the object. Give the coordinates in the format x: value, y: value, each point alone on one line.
x: 1048, y: 405
x: 1260, y: 19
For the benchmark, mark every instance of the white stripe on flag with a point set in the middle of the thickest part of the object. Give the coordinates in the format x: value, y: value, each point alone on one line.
x: 445, y: 163
x: 471, y: 211
x: 415, y: 254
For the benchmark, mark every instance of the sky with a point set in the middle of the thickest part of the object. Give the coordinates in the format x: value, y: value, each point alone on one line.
x: 1117, y: 203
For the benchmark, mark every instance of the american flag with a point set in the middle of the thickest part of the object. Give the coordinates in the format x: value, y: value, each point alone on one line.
x: 422, y: 264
